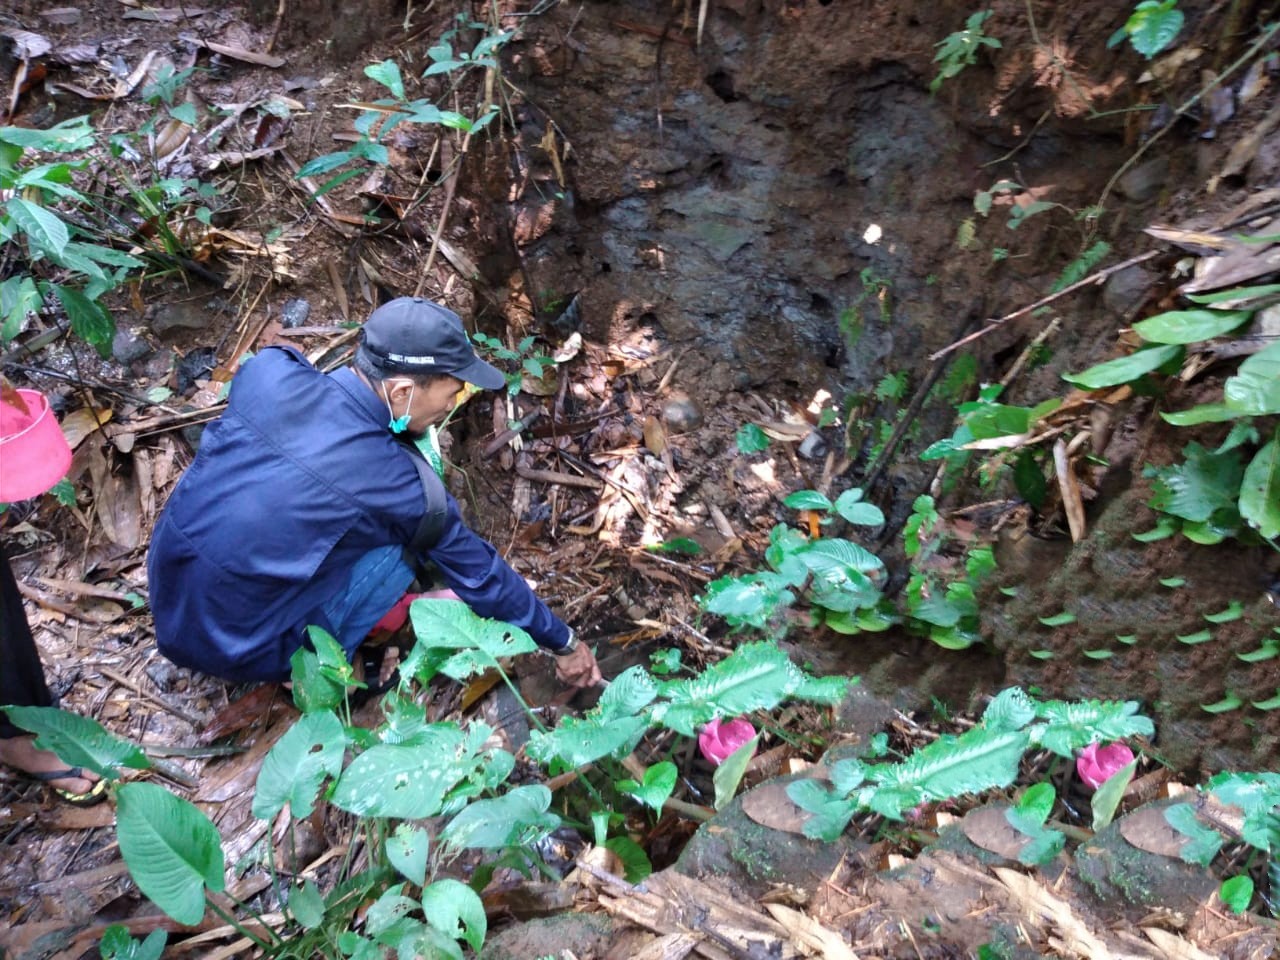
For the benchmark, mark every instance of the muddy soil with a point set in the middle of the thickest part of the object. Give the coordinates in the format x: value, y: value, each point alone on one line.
x: 785, y: 196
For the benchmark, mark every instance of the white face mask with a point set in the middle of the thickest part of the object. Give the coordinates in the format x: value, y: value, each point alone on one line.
x: 401, y: 423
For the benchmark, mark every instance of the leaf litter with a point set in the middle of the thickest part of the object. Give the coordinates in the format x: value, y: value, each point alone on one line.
x: 597, y: 470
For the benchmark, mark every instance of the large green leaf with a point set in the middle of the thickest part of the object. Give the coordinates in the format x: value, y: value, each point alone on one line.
x: 172, y: 850
x: 1238, y: 296
x: 748, y: 600
x: 581, y: 740
x: 516, y: 818
x: 456, y: 910
x: 292, y: 772
x: 807, y: 500
x: 387, y: 74
x: 1199, y: 487
x: 78, y: 741
x: 730, y: 773
x: 19, y: 298
x: 856, y: 511
x: 407, y: 849
x: 1202, y: 844
x: 1260, y: 490
x: 756, y: 676
x: 627, y: 694
x: 1153, y: 25
x: 452, y: 625
x: 1070, y: 726
x: 1190, y: 326
x: 1204, y: 413
x: 975, y: 761
x: 74, y: 134
x: 1258, y: 795
x: 1255, y: 389
x: 116, y: 944
x: 89, y: 318
x: 1107, y: 798
x: 1123, y: 369
x: 844, y: 552
x: 313, y: 689
x: 831, y: 811
x: 659, y: 781
x: 1010, y: 709
x: 44, y: 229
x: 405, y: 782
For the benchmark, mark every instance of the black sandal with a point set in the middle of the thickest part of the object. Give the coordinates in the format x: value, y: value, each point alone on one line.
x: 95, y: 794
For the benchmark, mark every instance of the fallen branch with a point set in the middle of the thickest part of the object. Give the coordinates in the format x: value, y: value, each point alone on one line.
x: 995, y: 323
x: 563, y: 479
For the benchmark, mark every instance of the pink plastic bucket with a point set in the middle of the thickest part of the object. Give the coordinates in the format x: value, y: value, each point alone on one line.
x: 34, y: 454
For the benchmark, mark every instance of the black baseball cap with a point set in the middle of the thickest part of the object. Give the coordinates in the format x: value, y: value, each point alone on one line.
x: 414, y: 336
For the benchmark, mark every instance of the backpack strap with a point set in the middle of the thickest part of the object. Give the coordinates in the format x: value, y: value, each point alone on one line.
x: 431, y: 527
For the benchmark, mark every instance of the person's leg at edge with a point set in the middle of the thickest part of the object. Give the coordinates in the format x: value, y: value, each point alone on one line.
x: 377, y: 583
x: 22, y: 684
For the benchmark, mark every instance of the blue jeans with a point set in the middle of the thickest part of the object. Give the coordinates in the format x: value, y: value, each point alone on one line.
x: 378, y: 580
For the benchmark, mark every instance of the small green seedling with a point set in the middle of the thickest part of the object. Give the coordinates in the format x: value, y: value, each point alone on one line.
x: 1191, y: 639
x: 1226, y: 704
x: 1059, y: 619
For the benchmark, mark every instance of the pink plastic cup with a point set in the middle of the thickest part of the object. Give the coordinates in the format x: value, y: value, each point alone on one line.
x: 34, y: 454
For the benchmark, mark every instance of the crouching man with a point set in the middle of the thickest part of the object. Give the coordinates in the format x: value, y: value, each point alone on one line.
x: 304, y: 506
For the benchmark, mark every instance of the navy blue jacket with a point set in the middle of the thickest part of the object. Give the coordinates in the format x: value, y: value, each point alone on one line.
x: 295, y: 482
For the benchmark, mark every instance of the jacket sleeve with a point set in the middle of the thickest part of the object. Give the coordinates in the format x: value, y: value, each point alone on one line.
x: 474, y: 571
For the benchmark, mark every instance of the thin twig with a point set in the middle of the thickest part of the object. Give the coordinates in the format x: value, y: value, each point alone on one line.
x: 178, y: 712
x: 996, y: 322
x: 1254, y: 48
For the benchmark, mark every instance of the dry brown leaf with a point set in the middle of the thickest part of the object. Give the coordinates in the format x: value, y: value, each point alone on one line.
x: 119, y: 506
x: 989, y: 828
x: 769, y: 806
x: 810, y: 935
x: 548, y: 143
x: 81, y: 423
x: 1167, y: 67
x: 1173, y: 946
x: 655, y: 437
x: 1070, y: 488
x: 671, y: 946
x: 1041, y: 905
x: 1245, y: 149
x: 1148, y: 830
x: 1192, y: 240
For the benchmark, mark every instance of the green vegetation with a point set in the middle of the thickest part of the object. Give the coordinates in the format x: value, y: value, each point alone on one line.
x: 1151, y: 27
x: 984, y: 758
x: 408, y: 769
x: 384, y: 115
x: 1211, y: 494
x: 960, y: 49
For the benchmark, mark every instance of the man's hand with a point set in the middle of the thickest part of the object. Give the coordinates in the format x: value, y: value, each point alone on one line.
x: 579, y: 669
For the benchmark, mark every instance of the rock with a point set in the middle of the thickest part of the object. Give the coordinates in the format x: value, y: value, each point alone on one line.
x: 1115, y: 870
x: 1145, y: 181
x: 1126, y: 289
x: 294, y: 313
x: 813, y: 446
x: 576, y: 934
x: 682, y: 413
x: 158, y: 365
x: 733, y: 846
x: 183, y: 315
x: 128, y: 347
x: 163, y: 674
x: 196, y: 365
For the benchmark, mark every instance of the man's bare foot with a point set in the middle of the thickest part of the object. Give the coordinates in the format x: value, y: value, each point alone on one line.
x: 21, y: 754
